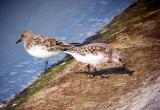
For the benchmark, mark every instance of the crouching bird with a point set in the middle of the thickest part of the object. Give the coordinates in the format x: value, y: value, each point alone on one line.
x: 95, y: 54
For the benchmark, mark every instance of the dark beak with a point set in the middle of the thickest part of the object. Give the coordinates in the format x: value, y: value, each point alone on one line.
x: 19, y: 41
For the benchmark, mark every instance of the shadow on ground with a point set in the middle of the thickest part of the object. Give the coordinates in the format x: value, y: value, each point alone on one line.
x: 106, y: 73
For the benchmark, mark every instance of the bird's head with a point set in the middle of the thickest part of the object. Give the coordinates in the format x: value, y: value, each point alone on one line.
x: 118, y: 58
x: 24, y: 35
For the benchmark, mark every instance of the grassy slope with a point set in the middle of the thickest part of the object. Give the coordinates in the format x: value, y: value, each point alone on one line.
x: 136, y: 32
x: 136, y: 13
x: 37, y: 85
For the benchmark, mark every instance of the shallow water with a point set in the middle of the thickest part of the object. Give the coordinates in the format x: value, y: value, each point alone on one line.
x: 68, y: 20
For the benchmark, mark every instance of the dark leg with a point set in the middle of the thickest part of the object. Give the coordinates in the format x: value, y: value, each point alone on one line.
x: 95, y: 70
x: 89, y: 72
x: 88, y: 67
x: 46, y: 65
x: 92, y: 74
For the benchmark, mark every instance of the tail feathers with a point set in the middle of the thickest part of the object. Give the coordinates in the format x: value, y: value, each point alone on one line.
x: 76, y: 44
x: 64, y: 49
x: 70, y: 46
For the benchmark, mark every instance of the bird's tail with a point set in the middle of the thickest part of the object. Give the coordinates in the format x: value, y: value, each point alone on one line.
x: 70, y: 46
x: 76, y: 44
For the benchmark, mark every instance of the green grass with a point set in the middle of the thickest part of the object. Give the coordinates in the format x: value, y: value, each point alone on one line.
x: 37, y: 85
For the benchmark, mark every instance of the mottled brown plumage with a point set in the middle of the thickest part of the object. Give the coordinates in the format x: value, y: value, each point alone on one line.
x: 93, y: 48
x: 96, y: 54
x: 42, y: 46
x: 31, y: 40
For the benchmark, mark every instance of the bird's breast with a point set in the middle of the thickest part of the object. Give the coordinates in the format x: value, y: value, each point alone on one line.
x: 89, y: 58
x: 41, y: 52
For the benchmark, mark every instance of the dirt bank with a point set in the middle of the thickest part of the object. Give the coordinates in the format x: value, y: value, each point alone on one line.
x: 67, y: 86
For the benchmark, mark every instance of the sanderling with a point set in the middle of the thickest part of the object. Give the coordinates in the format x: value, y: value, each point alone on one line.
x: 96, y: 54
x: 41, y: 46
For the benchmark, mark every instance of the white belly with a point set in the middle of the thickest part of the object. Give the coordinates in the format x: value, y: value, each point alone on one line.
x: 40, y: 52
x: 89, y: 58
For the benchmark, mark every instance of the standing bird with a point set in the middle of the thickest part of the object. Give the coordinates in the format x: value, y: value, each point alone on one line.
x: 41, y: 46
x: 96, y: 54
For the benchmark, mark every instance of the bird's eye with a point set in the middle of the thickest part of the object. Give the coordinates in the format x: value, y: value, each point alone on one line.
x: 120, y: 59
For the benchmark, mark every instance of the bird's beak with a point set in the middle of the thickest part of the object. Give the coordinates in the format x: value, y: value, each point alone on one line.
x: 19, y: 41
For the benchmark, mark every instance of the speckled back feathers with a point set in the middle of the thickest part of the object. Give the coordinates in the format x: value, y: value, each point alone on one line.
x: 93, y: 48
x: 31, y: 39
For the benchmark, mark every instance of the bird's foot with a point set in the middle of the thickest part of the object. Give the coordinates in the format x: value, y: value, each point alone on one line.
x: 91, y: 75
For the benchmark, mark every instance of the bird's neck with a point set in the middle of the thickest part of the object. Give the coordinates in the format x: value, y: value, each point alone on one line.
x: 27, y: 41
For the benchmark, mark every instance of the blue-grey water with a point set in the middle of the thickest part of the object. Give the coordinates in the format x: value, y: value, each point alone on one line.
x: 68, y: 20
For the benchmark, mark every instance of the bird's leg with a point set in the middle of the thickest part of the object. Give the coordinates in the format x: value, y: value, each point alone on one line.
x: 46, y: 65
x: 93, y: 73
x: 88, y: 67
x: 89, y: 72
x: 95, y: 70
